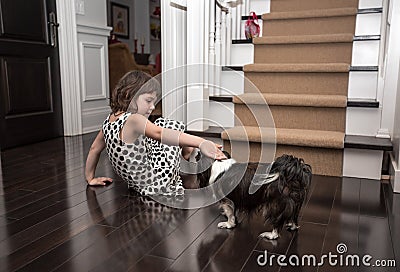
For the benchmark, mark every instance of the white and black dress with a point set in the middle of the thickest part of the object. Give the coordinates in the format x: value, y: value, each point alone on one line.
x: 148, y: 166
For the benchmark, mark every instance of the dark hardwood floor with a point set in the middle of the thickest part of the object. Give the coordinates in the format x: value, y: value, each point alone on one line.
x: 51, y: 221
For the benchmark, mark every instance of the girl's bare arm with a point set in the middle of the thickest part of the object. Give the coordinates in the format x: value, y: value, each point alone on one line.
x: 97, y: 147
x: 173, y: 137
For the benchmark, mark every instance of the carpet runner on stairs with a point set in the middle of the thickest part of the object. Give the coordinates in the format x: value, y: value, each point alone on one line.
x: 296, y: 49
x: 301, y: 70
x: 307, y: 78
x: 309, y: 22
x: 296, y: 5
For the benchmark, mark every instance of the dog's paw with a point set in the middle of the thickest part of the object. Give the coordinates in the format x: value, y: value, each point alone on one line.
x: 292, y: 226
x: 225, y: 225
x: 271, y: 235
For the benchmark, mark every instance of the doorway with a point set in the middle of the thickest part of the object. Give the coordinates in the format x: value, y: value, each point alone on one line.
x: 30, y: 94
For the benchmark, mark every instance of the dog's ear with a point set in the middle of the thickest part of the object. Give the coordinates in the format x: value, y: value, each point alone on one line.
x: 198, y: 156
x: 226, y: 153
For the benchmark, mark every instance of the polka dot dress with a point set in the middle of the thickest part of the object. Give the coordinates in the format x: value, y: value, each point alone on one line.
x: 148, y: 166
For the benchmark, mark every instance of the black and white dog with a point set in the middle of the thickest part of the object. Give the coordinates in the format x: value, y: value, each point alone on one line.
x: 279, y: 194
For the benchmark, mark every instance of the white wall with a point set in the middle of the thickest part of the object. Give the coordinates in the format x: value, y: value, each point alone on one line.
x: 396, y: 127
x: 388, y: 79
x: 392, y: 83
x: 174, y: 45
x: 389, y: 85
x: 92, y: 36
x: 94, y: 13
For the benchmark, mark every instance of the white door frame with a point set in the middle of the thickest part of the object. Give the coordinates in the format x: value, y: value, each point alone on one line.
x: 69, y: 67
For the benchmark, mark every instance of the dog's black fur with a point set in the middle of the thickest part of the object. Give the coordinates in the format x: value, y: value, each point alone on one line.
x: 280, y: 201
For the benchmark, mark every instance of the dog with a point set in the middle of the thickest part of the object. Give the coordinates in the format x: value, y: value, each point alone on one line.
x: 277, y: 190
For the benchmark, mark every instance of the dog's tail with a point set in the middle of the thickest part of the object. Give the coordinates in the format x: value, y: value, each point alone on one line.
x: 294, y: 174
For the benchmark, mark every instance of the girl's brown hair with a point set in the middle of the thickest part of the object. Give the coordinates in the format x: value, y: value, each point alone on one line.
x: 130, y: 86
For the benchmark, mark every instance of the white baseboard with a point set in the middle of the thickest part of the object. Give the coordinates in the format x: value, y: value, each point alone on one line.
x: 394, y: 172
x: 361, y: 163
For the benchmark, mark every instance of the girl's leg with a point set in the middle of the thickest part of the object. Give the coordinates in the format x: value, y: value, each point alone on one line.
x: 186, y: 152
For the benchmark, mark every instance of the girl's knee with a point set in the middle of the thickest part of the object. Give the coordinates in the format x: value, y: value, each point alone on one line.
x: 186, y: 152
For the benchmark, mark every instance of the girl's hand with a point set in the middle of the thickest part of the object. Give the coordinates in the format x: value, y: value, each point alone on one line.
x: 212, y: 150
x: 100, y: 181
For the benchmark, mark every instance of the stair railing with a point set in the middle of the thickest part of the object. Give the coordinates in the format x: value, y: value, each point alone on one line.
x: 225, y: 19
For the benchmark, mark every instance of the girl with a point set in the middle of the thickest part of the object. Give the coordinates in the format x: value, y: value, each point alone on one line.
x: 144, y: 154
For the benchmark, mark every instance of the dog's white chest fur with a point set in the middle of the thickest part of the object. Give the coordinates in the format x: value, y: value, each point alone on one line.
x: 219, y: 167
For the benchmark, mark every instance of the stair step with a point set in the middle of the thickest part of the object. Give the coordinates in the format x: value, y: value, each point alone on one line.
x: 310, y: 22
x: 259, y: 40
x: 291, y: 117
x: 297, y: 68
x: 367, y: 142
x: 370, y: 10
x: 296, y: 5
x: 246, y: 17
x: 299, y: 100
x: 242, y: 41
x: 362, y: 103
x: 364, y: 68
x: 332, y: 48
x: 297, y: 137
x: 212, y: 132
x: 351, y: 103
x: 327, y: 79
x: 340, y: 66
x: 316, y: 13
x: 367, y: 38
x: 232, y: 68
x: 350, y: 141
x: 296, y: 39
x: 322, y: 150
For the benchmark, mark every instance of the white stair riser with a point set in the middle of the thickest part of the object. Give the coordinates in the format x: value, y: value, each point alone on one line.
x: 260, y: 6
x: 365, y: 53
x: 242, y: 54
x: 363, y: 85
x: 363, y: 4
x: 232, y: 82
x: 221, y: 114
x: 394, y: 173
x: 362, y: 163
x: 362, y: 121
x: 368, y: 24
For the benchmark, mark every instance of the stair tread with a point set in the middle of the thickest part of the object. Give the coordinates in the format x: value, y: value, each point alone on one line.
x: 368, y: 142
x: 350, y: 141
x: 297, y: 67
x: 299, y: 137
x: 213, y: 132
x: 303, y: 100
x: 326, y: 38
x: 332, y: 12
x: 351, y: 102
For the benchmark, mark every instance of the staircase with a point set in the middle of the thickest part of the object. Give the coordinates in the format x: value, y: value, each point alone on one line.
x: 301, y: 67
